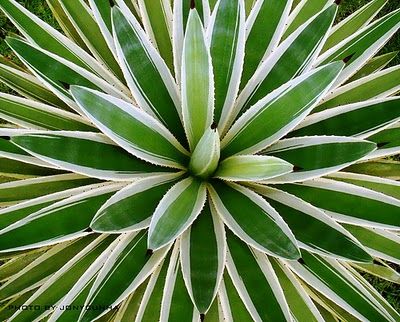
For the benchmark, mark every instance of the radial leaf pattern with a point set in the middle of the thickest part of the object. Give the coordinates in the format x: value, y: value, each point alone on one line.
x: 193, y: 160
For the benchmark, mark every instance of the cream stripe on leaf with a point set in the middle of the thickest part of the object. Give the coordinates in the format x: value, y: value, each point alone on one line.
x: 262, y: 227
x: 131, y: 208
x: 197, y: 81
x: 86, y: 153
x: 226, y: 30
x: 266, y: 122
x: 147, y: 75
x: 176, y: 211
x: 129, y: 259
x: 308, y: 223
x: 203, y: 260
x: 127, y: 126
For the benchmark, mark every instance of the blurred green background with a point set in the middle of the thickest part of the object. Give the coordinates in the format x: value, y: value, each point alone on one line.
x: 389, y: 290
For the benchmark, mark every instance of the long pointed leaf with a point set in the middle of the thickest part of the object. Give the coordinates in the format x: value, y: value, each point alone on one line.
x: 128, y: 125
x: 262, y: 227
x: 203, y: 260
x: 176, y: 211
x: 266, y: 122
x: 197, y: 81
x: 86, y: 153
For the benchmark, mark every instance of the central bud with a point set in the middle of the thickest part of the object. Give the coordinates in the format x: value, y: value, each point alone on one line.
x: 205, y: 157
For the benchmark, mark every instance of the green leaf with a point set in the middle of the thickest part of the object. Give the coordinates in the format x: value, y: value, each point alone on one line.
x: 17, y: 263
x: 55, y: 288
x: 256, y: 282
x: 57, y: 222
x: 176, y: 304
x: 380, y: 270
x: 266, y: 23
x: 127, y: 267
x: 34, y: 115
x: 181, y: 9
x: 252, y: 168
x: 299, y: 302
x: 385, y: 186
x: 362, y: 45
x: 374, y: 65
x: 333, y: 281
x: 203, y: 258
x: 79, y: 292
x: 353, y: 23
x: 43, y: 35
x: 262, y: 227
x: 380, y: 243
x: 89, y: 154
x: 28, y: 86
x: 128, y: 309
x: 43, y: 267
x: 316, y: 156
x: 292, y: 58
x: 227, y: 30
x: 35, y: 187
x: 176, y: 212
x: 386, y: 169
x: 308, y: 224
x: 102, y: 14
x: 150, y: 306
x: 157, y: 21
x: 131, y: 208
x: 11, y: 306
x: 197, y: 81
x: 23, y: 169
x: 82, y: 19
x: 388, y: 141
x: 231, y: 304
x: 349, y: 203
x: 250, y: 134
x: 304, y: 11
x: 359, y: 119
x: 374, y: 293
x: 148, y: 77
x: 373, y: 86
x: 127, y: 126
x: 11, y: 151
x: 65, y: 23
x: 58, y: 73
x: 14, y: 213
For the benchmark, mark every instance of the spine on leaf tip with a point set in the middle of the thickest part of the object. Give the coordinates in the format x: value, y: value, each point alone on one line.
x: 192, y: 4
x: 348, y: 58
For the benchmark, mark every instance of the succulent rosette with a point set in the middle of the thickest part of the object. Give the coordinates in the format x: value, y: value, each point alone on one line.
x: 199, y: 160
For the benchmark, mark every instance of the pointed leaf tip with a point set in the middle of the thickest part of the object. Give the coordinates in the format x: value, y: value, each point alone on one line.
x: 337, y: 2
x: 382, y: 144
x: 112, y: 4
x: 297, y: 168
x: 348, y: 58
x: 65, y: 85
x: 192, y: 4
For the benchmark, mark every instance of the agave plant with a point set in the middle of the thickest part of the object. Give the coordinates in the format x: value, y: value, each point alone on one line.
x: 199, y: 160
